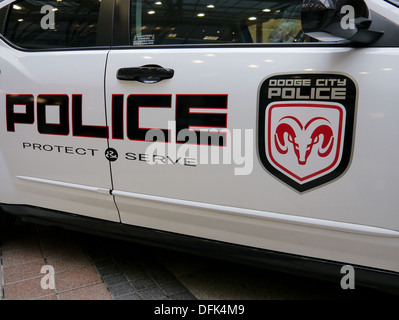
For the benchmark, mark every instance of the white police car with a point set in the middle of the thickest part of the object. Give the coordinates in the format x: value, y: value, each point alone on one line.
x: 257, y: 130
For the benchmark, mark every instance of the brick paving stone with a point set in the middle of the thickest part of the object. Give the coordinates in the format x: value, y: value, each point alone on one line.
x: 50, y: 297
x: 23, y: 271
x: 24, y: 255
x: 160, y: 274
x: 154, y: 293
x: 172, y: 288
x: 104, y: 263
x: 129, y: 296
x: 183, y: 296
x: 143, y: 284
x: 94, y: 292
x: 26, y: 290
x: 74, y: 279
x: 107, y: 268
x: 69, y: 263
x: 17, y: 241
x: 115, y: 279
x: 121, y: 289
x: 134, y: 273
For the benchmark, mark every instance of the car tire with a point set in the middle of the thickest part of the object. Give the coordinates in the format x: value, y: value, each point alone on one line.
x: 6, y: 222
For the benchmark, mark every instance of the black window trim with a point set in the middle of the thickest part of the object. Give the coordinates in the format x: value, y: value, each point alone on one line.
x: 393, y: 2
x: 3, y: 18
x: 121, y: 26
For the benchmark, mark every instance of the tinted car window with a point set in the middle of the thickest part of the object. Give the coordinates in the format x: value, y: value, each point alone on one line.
x: 53, y: 24
x: 220, y: 21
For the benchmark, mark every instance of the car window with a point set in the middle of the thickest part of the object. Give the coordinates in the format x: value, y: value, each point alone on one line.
x: 36, y: 24
x: 170, y: 22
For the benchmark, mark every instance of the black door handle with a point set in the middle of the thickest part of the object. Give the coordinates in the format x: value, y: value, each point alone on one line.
x: 150, y: 73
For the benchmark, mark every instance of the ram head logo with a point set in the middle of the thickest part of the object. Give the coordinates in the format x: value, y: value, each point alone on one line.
x: 304, y: 137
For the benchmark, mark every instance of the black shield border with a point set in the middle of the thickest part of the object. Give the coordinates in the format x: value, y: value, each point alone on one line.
x: 350, y: 104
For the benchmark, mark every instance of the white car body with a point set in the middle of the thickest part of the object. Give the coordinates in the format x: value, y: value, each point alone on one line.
x: 350, y: 219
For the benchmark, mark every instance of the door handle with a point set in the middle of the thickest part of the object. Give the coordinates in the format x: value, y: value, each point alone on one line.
x: 150, y: 73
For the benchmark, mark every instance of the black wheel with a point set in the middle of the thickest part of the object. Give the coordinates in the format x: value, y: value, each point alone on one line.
x: 6, y: 221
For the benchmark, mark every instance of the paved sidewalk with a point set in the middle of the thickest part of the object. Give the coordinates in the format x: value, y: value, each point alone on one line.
x: 85, y: 268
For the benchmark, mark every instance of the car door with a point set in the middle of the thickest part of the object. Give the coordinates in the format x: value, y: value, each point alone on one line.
x: 228, y: 123
x: 54, y: 131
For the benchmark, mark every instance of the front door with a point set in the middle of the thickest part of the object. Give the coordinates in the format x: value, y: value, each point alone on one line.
x: 227, y: 121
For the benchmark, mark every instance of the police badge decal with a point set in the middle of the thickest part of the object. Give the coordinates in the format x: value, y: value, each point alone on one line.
x: 306, y: 127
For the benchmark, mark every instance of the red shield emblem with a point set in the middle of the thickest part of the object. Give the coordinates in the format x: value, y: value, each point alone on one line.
x: 306, y: 127
x: 304, y: 140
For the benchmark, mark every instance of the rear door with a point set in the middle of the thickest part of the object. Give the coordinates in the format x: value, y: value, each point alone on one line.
x: 54, y: 132
x: 227, y: 121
